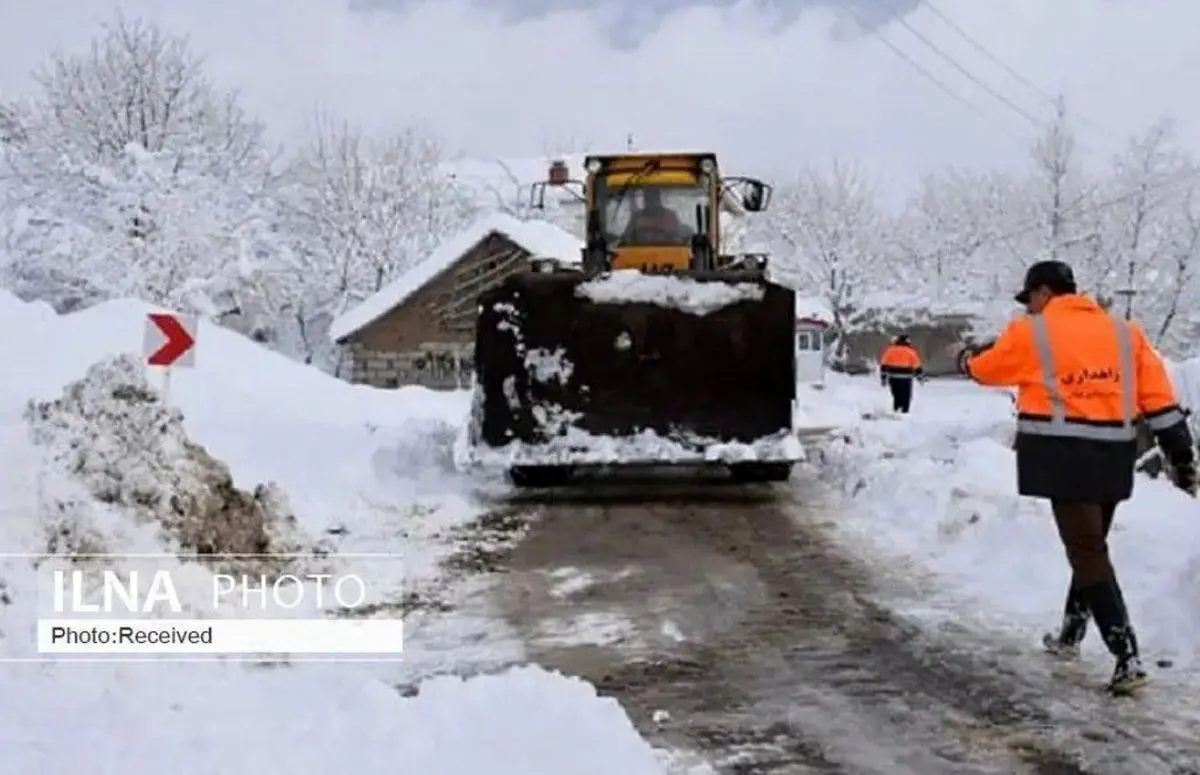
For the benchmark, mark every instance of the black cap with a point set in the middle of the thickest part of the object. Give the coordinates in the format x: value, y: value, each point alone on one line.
x: 1054, y: 275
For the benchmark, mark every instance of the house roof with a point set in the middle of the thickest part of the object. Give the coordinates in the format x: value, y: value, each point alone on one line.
x: 541, y: 239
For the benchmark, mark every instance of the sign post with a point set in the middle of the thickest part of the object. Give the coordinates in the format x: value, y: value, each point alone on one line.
x: 170, y: 341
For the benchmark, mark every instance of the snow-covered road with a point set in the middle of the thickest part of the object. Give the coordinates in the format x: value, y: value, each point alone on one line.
x: 735, y: 623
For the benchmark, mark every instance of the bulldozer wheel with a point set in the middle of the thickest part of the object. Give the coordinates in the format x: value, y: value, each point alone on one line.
x: 539, y: 476
x: 761, y: 472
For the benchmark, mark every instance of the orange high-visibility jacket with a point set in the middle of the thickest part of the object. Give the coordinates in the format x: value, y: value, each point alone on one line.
x: 1084, y: 378
x: 900, y: 361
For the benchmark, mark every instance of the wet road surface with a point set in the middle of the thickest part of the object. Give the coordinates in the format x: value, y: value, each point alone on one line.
x: 727, y: 622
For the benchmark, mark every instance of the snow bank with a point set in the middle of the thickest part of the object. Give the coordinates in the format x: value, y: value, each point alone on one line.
x: 203, y: 719
x: 937, y: 489
x: 326, y: 443
x: 112, y: 432
x: 106, y: 466
x: 681, y: 293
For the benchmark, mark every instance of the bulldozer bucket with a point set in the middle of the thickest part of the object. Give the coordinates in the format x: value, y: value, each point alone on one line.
x: 567, y: 375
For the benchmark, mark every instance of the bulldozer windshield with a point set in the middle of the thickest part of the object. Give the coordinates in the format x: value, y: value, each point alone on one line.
x: 651, y: 214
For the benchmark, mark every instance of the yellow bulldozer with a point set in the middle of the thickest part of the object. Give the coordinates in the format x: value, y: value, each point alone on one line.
x: 656, y: 349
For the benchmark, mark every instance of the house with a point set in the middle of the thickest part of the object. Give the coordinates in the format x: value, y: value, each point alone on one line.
x: 419, y: 329
x: 813, y: 321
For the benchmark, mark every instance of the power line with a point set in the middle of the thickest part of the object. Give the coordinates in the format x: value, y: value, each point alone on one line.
x: 1012, y: 71
x: 968, y: 74
x: 926, y: 74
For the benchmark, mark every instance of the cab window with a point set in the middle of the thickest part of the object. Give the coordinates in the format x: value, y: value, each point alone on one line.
x: 651, y: 214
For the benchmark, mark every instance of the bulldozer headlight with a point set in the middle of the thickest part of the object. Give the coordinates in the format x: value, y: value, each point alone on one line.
x: 593, y: 166
x: 707, y: 166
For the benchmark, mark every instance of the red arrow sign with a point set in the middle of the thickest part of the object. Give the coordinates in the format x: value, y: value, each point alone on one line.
x: 178, y: 341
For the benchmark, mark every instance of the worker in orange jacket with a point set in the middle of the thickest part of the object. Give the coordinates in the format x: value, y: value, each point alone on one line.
x: 899, y: 365
x: 1084, y: 380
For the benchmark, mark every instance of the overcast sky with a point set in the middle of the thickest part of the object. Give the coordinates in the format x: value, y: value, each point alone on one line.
x: 769, y: 85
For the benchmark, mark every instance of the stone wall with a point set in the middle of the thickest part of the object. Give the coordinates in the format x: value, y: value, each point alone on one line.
x: 437, y: 367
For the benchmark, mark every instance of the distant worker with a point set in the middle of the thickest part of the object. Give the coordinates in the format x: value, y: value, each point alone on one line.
x: 899, y: 365
x: 654, y: 223
x: 1084, y: 380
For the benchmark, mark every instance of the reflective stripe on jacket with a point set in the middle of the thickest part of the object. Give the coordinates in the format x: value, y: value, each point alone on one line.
x: 1084, y: 379
x: 900, y: 361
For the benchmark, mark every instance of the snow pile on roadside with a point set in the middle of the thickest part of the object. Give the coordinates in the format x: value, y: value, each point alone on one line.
x: 112, y: 432
x: 937, y: 491
x: 681, y: 293
x: 201, y: 719
x: 106, y: 466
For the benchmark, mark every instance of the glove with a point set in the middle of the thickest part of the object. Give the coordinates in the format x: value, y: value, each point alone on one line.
x: 964, y: 355
x: 1184, y: 477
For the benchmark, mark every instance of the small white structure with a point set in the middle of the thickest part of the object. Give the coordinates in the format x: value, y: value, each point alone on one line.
x: 812, y: 328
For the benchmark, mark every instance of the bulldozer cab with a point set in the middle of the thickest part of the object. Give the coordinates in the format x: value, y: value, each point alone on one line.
x: 657, y: 212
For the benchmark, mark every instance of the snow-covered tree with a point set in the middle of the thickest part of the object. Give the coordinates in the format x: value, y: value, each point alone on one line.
x: 830, y: 238
x: 363, y: 210
x: 1178, y: 320
x: 130, y: 174
x: 1139, y: 224
x: 142, y: 86
x: 146, y: 227
x: 957, y: 234
x: 1061, y: 193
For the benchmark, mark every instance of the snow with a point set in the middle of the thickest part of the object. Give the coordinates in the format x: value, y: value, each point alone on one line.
x: 936, y: 491
x: 1186, y: 376
x: 526, y: 721
x: 813, y: 308
x: 332, y: 449
x: 539, y: 238
x: 683, y: 293
x: 576, y: 447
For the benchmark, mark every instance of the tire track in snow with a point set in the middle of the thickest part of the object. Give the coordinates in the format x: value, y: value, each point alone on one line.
x: 784, y: 665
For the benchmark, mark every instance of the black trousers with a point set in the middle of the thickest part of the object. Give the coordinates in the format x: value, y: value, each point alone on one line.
x: 1084, y: 528
x: 902, y: 390
x: 1094, y: 590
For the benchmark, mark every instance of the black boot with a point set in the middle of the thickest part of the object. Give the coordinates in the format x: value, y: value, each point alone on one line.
x: 1107, y: 605
x: 1074, y: 627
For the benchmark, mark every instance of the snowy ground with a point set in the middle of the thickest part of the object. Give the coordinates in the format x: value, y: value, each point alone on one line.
x: 935, y: 491
x: 363, y: 471
x: 371, y: 471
